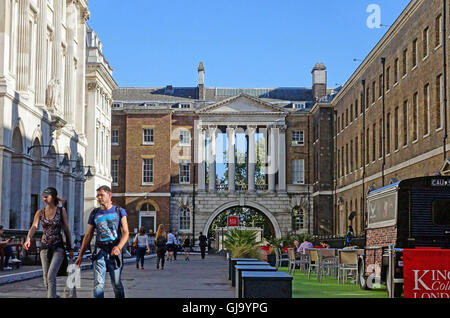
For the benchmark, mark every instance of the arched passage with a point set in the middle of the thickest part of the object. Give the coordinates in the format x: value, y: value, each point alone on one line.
x: 249, y: 204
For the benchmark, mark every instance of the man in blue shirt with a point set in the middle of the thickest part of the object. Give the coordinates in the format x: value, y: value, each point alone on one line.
x: 111, y: 228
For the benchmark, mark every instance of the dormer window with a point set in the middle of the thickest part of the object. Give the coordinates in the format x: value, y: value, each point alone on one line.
x: 185, y: 105
x: 299, y: 105
x: 116, y: 105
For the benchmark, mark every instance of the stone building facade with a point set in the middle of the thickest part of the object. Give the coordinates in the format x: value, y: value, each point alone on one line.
x: 43, y: 128
x: 171, y: 129
x: 391, y: 116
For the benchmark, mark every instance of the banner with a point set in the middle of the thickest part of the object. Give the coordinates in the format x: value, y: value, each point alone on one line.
x: 426, y: 273
x: 233, y: 221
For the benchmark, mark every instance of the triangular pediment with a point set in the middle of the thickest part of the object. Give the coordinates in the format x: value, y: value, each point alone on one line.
x: 241, y: 103
x: 445, y: 170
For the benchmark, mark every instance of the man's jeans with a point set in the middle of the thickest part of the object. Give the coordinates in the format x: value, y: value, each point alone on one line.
x: 104, y: 262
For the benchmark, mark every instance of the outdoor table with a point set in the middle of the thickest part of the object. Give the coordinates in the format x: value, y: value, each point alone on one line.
x: 252, y: 263
x: 264, y: 284
x: 233, y: 262
x: 242, y: 268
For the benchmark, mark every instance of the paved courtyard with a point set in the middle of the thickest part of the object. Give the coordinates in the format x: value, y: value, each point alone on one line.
x: 195, y: 279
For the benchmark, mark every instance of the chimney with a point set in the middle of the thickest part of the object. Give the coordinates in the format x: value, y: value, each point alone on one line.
x: 201, y: 82
x: 319, y: 79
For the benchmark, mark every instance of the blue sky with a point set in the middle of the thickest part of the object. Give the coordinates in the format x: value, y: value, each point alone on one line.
x: 245, y: 43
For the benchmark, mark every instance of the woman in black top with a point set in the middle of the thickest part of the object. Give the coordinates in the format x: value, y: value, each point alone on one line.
x: 187, y: 249
x: 160, y: 242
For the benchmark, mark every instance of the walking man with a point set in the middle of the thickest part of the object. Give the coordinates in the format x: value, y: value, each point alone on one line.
x: 203, y: 244
x: 170, y: 245
x: 111, y: 226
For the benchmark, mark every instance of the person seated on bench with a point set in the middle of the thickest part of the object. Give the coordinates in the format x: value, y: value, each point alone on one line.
x: 7, y: 250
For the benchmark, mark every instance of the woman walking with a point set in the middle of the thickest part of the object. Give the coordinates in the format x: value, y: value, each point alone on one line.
x: 141, y: 240
x: 349, y: 236
x: 187, y: 249
x: 160, y: 242
x: 53, y: 219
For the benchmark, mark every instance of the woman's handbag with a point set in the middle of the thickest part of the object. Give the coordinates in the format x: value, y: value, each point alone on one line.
x: 63, y: 268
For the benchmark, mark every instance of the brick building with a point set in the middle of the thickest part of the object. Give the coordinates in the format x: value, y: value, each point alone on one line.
x: 157, y: 133
x: 390, y: 116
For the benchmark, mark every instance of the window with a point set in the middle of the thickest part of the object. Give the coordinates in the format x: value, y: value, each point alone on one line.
x: 388, y: 133
x: 425, y: 43
x: 439, y: 101
x: 185, y: 138
x: 116, y: 105
x: 414, y: 53
x: 396, y: 128
x: 351, y: 155
x: 426, y: 109
x: 298, y: 171
x: 351, y: 113
x: 362, y: 150
x: 405, y: 123
x: 396, y: 71
x: 346, y: 117
x: 356, y: 108
x: 440, y: 212
x: 148, y: 137
x: 415, y: 116
x: 367, y: 145
x: 388, y: 78
x: 185, y: 106
x: 299, y: 106
x: 380, y: 139
x: 339, y: 163
x: 115, y: 171
x: 346, y: 160
x: 184, y: 172
x: 342, y: 161
x: 298, y: 138
x: 115, y: 137
x: 374, y: 142
x: 298, y: 219
x: 438, y: 31
x: 405, y: 62
x: 356, y: 153
x: 380, y: 85
x: 367, y: 97
x: 374, y: 86
x: 185, y: 219
x: 147, y: 171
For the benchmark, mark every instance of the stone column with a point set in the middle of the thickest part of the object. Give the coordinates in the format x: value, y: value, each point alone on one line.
x: 69, y: 81
x: 79, y: 207
x: 5, y: 180
x: 57, y: 53
x: 251, y: 157
x: 23, y: 49
x: 231, y: 137
x: 40, y: 179
x: 282, y: 159
x: 41, y: 55
x: 201, y: 158
x: 272, y: 169
x: 55, y: 179
x: 20, y: 197
x: 212, y: 158
x: 69, y: 195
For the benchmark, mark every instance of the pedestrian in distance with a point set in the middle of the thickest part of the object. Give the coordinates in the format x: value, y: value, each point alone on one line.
x: 187, y: 249
x: 151, y: 241
x: 109, y: 222
x: 203, y: 243
x: 171, y: 240
x: 176, y: 247
x: 7, y: 250
x: 53, y: 219
x: 142, y: 246
x: 160, y: 242
x: 349, y: 236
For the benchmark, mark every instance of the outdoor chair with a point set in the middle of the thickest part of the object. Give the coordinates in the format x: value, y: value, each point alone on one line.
x: 291, y: 254
x: 34, y: 250
x: 313, y: 262
x: 280, y: 257
x: 327, y: 262
x: 302, y: 261
x: 347, y: 262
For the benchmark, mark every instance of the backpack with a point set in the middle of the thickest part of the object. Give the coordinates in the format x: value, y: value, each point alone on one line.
x: 160, y: 241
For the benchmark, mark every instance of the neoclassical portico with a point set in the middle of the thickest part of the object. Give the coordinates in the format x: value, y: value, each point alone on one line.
x: 250, y: 116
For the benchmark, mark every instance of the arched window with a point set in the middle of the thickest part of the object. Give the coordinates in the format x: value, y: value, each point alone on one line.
x: 298, y: 219
x: 185, y: 219
x: 147, y: 217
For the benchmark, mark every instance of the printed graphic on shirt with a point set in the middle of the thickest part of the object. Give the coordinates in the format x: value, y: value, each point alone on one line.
x: 107, y: 224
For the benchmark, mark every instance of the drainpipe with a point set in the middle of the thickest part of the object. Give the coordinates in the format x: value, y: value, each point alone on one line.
x: 193, y: 204
x: 444, y: 54
x: 309, y: 173
x: 383, y: 130
x: 336, y: 167
x: 363, y: 106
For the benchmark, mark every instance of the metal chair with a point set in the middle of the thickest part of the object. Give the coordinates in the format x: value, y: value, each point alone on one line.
x: 34, y: 250
x: 291, y: 254
x: 327, y: 262
x: 347, y: 262
x: 313, y: 262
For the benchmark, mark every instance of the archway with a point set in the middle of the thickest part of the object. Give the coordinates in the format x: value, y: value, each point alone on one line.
x: 251, y: 205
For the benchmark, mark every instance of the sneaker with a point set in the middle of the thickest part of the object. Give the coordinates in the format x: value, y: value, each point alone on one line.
x: 15, y: 260
x: 7, y: 268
